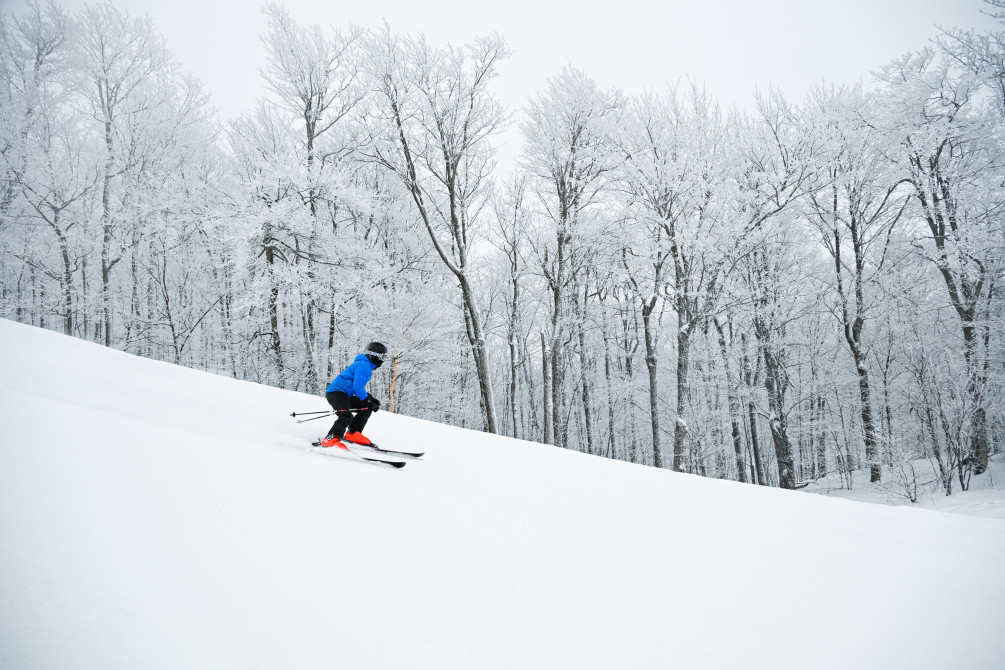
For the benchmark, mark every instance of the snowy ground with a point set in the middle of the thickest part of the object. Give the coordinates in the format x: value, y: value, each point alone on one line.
x: 157, y: 517
x: 984, y: 497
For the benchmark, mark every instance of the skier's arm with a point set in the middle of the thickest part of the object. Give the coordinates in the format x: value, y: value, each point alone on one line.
x: 361, y: 375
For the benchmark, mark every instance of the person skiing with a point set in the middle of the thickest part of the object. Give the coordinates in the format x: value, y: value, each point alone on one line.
x: 347, y: 394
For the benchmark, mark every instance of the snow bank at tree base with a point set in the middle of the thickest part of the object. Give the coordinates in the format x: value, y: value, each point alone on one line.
x: 985, y: 496
x: 158, y: 517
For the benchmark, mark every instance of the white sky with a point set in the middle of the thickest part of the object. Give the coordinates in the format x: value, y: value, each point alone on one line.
x: 733, y: 47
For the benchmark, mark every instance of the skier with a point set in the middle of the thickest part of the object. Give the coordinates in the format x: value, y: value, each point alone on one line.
x: 348, y: 392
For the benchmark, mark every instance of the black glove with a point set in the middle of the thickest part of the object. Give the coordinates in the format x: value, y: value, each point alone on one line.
x: 373, y: 403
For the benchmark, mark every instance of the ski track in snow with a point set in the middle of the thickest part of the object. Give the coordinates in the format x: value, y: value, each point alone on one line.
x: 158, y: 517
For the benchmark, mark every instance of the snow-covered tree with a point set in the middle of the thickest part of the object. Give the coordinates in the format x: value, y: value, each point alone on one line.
x: 568, y: 153
x: 774, y: 169
x: 432, y: 125
x: 675, y: 178
x: 948, y: 124
x: 857, y: 201
x: 122, y: 62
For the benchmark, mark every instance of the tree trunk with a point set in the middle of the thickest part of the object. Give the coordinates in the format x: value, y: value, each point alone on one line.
x: 584, y: 366
x: 821, y: 438
x: 774, y: 384
x: 608, y: 384
x: 331, y: 341
x: 748, y: 377
x: 512, y: 342
x: 755, y: 446
x: 478, y: 350
x: 976, y: 382
x: 559, y: 428
x: 651, y: 367
x: 868, y: 425
x: 585, y: 384
x: 106, y: 236
x: 67, y: 279
x: 556, y: 351
x: 394, y: 383
x: 513, y: 371
x: 277, y: 348
x: 546, y: 372
x: 135, y: 316
x: 733, y: 403
x: 680, y: 426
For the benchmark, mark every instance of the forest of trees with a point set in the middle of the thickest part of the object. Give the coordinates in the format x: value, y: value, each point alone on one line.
x: 770, y: 297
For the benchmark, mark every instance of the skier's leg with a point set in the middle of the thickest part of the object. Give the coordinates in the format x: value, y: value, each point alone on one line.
x: 358, y: 422
x: 339, y: 402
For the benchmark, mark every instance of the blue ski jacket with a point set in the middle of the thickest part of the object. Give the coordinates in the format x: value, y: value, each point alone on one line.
x: 353, y: 380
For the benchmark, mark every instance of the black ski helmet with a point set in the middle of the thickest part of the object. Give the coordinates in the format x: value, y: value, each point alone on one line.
x: 376, y: 353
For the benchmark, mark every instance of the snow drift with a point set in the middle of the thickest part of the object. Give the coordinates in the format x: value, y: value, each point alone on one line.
x: 153, y: 516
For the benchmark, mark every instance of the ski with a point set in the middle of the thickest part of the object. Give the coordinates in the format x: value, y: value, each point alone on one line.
x: 335, y: 451
x: 375, y: 447
x: 379, y: 449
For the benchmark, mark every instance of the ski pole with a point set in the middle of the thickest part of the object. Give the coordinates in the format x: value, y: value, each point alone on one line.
x: 329, y: 413
x: 314, y: 417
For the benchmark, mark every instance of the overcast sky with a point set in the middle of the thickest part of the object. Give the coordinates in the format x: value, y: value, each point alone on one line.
x: 733, y: 47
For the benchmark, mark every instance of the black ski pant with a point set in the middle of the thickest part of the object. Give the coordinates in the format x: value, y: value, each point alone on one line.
x: 355, y: 420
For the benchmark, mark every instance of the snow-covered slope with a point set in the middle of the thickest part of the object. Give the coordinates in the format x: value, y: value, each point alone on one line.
x: 157, y: 517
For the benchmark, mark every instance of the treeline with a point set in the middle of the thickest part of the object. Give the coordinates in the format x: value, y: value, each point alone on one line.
x: 770, y: 297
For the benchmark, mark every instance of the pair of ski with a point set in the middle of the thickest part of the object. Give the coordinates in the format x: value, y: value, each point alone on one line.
x: 372, y: 449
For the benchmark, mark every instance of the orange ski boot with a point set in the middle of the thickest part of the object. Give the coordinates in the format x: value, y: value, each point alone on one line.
x: 332, y: 441
x: 358, y: 438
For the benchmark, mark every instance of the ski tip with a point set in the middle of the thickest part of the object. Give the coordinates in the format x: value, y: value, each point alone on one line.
x: 412, y: 454
x: 393, y: 464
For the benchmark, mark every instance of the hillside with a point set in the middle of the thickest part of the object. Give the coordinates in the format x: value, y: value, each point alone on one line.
x: 153, y: 516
